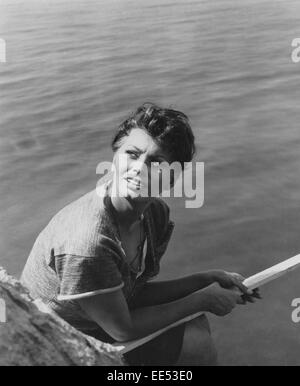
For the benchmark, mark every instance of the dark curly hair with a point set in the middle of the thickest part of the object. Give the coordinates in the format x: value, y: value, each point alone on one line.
x: 169, y: 128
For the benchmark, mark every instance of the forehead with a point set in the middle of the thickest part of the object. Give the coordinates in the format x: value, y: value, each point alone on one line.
x: 142, y: 140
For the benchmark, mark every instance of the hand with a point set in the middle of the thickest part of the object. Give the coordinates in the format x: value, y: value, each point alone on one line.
x: 231, y: 279
x: 221, y: 301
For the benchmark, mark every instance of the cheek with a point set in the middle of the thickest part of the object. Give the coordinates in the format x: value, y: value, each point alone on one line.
x: 162, y: 180
x: 121, y: 163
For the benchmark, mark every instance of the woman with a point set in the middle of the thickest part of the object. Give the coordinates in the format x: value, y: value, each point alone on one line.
x: 93, y: 261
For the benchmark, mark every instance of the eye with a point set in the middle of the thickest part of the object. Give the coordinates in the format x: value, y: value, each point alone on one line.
x: 132, y: 154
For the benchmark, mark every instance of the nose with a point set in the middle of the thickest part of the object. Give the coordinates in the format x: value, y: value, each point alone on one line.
x: 140, y: 165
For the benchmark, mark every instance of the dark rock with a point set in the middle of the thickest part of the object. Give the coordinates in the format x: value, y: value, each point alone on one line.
x: 33, y: 336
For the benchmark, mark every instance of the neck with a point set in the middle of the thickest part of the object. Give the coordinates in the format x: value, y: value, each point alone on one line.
x: 127, y: 211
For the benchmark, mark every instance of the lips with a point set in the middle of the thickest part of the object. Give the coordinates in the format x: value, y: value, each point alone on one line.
x: 136, y: 182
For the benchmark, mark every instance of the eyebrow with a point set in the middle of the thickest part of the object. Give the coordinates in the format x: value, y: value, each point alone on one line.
x: 139, y: 150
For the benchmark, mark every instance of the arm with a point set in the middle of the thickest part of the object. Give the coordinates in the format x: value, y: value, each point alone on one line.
x: 159, y: 292
x: 111, y: 312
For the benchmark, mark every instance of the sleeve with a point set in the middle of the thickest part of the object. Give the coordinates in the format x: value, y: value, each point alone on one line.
x: 82, y: 277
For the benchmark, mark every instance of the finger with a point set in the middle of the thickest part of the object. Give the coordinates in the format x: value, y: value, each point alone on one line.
x: 256, y: 295
x: 238, y: 276
x: 236, y: 291
x: 238, y: 281
x: 256, y: 290
x: 245, y: 289
x: 239, y: 296
x: 248, y: 298
x: 241, y: 286
x: 241, y: 301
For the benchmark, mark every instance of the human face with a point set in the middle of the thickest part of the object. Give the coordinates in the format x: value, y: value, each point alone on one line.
x: 133, y: 162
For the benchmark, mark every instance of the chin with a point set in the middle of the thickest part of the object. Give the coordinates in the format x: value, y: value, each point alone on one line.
x: 142, y: 199
x: 136, y: 196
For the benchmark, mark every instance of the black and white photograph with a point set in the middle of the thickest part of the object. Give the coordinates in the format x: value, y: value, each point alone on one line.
x: 150, y: 185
